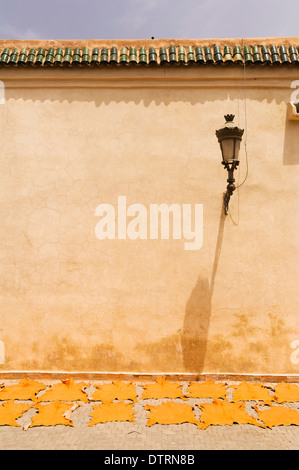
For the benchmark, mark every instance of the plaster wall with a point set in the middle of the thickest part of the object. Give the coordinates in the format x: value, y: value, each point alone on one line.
x: 72, y: 140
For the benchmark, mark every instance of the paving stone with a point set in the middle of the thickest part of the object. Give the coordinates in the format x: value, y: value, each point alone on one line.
x: 138, y: 436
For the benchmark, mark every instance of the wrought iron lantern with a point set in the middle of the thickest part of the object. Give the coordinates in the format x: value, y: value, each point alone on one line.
x: 229, y: 138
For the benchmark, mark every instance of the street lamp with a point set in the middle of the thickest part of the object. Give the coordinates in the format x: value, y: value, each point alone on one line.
x: 229, y: 138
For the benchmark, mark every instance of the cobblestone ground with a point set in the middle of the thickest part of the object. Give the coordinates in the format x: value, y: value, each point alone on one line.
x: 138, y: 436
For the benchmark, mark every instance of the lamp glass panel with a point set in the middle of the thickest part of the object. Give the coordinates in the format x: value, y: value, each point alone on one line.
x: 227, y: 146
x: 237, y: 148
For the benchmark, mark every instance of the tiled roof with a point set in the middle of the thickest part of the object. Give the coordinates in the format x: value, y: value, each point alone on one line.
x: 147, y: 54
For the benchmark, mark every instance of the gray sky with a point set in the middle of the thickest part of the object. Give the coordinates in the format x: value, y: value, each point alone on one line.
x: 142, y: 19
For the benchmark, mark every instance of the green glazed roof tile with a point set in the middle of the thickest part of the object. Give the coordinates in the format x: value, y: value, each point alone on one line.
x: 152, y: 56
x: 14, y: 57
x: 95, y: 56
x: 237, y: 56
x: 31, y: 57
x: 228, y: 57
x: 186, y: 55
x: 22, y: 57
x: 58, y: 56
x: 266, y: 55
x: 181, y: 54
x: 256, y: 54
x: 217, y: 54
x: 142, y: 56
x: 49, y: 60
x: 199, y: 55
x: 248, y: 55
x: 113, y: 55
x: 104, y: 56
x: 274, y: 55
x: 133, y: 55
x: 5, y: 56
x: 208, y: 54
x: 67, y: 58
x: 172, y: 54
x: 76, y: 56
x: 123, y: 59
x: 283, y: 54
x: 85, y: 56
x: 40, y: 56
x: 190, y: 55
x: 163, y: 55
x: 293, y: 54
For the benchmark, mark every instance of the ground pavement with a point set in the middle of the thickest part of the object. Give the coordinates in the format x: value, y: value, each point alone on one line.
x: 137, y: 435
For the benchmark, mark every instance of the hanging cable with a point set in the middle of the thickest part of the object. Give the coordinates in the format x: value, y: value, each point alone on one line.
x: 245, y: 139
x: 245, y: 117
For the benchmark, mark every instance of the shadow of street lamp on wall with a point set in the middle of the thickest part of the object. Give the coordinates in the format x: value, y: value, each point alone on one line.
x: 229, y: 138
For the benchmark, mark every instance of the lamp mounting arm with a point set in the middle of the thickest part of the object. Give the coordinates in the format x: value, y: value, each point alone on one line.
x: 230, y: 167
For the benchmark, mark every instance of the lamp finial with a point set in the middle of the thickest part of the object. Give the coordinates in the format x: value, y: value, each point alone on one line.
x: 229, y: 117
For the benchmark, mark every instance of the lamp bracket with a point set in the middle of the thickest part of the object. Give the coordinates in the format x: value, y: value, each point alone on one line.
x: 230, y: 167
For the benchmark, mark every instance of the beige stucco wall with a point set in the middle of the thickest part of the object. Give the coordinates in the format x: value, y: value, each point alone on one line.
x: 71, y: 140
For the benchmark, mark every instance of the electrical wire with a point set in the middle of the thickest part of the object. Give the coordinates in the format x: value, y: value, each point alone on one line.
x: 245, y: 117
x: 245, y: 137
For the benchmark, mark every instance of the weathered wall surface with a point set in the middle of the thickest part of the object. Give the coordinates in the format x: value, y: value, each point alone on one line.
x: 71, y: 141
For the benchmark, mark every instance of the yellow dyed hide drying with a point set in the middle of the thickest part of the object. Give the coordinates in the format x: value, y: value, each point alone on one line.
x: 224, y: 413
x: 208, y: 389
x: 162, y: 389
x: 67, y: 390
x: 110, y: 412
x: 278, y: 416
x: 286, y: 392
x: 52, y: 414
x: 10, y: 411
x: 115, y: 390
x: 25, y: 390
x: 170, y: 413
x: 248, y: 391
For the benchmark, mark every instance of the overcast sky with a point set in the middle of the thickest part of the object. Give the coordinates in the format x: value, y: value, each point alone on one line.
x: 142, y: 19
